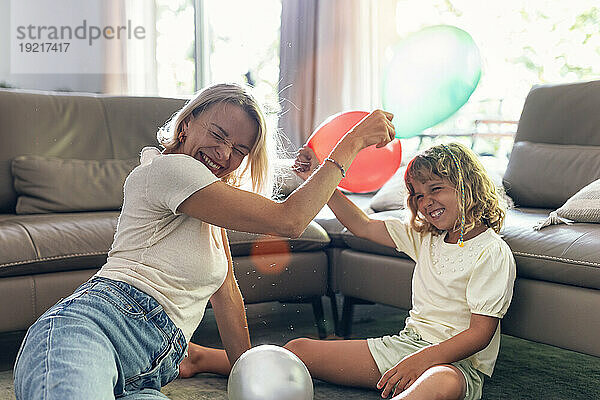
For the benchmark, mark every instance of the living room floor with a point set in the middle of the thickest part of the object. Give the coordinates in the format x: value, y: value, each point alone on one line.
x: 525, y: 370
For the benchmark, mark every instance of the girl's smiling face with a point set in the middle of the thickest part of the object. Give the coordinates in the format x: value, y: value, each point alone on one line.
x: 437, y: 201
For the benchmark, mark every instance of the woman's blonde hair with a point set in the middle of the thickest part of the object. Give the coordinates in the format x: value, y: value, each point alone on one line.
x: 258, y: 160
x: 483, y: 201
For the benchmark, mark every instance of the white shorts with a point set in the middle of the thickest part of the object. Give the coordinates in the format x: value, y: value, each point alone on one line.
x: 387, y: 351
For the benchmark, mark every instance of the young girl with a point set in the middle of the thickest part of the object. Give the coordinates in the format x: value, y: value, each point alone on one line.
x: 462, y: 286
x: 123, y: 333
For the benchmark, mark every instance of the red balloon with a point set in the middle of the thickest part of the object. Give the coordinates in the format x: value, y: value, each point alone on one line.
x: 371, y: 168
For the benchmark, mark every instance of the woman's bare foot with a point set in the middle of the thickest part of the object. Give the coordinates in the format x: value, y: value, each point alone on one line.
x: 190, y: 365
x: 204, y: 359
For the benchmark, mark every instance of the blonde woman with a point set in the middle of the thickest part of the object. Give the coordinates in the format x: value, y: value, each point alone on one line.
x: 125, y: 331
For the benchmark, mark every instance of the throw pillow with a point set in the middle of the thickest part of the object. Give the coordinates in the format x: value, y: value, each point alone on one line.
x: 583, y: 206
x: 392, y: 195
x: 48, y: 184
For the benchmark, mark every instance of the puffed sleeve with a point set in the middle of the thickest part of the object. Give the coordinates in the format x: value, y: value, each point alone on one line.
x: 490, y: 287
x: 173, y: 178
x: 406, y: 239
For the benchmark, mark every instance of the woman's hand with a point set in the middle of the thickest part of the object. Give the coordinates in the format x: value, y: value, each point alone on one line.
x: 405, y: 373
x: 376, y: 128
x: 306, y: 162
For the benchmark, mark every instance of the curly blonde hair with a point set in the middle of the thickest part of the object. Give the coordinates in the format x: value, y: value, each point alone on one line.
x: 264, y: 149
x: 483, y: 200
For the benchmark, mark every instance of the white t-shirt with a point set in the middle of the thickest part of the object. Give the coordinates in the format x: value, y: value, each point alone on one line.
x: 177, y: 259
x: 451, y: 282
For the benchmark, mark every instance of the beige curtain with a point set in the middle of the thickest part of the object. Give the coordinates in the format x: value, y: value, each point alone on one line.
x: 115, y: 56
x: 134, y: 59
x: 297, y: 69
x: 332, y: 60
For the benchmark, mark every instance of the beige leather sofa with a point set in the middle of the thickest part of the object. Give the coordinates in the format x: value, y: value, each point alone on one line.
x: 557, y: 291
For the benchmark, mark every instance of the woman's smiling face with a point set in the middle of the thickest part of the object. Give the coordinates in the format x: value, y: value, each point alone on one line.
x: 437, y: 201
x: 220, y: 137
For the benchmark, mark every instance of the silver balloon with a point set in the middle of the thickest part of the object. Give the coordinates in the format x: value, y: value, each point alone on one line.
x: 269, y: 372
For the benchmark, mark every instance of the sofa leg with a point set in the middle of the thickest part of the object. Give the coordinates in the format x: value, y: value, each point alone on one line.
x: 347, y: 315
x: 345, y: 324
x: 334, y: 312
x: 317, y: 305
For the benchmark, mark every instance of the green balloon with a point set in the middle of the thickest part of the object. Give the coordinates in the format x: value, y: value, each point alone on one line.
x: 432, y: 74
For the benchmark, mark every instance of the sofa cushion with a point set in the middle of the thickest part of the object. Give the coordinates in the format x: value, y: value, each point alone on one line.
x: 546, y: 175
x: 565, y: 114
x: 374, y: 277
x: 34, y: 244
x: 49, y: 184
x: 292, y: 277
x: 313, y: 238
x: 566, y: 254
x: 334, y: 228
x: 393, y: 193
x: 75, y: 125
x: 30, y: 125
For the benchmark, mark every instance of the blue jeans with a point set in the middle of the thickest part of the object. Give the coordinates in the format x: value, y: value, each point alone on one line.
x: 107, y: 340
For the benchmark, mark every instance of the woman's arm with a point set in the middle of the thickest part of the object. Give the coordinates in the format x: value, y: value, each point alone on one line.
x: 465, y: 344
x: 228, y: 306
x: 222, y: 205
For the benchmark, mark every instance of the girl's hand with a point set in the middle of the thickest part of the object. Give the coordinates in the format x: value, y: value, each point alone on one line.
x: 405, y: 373
x: 306, y: 162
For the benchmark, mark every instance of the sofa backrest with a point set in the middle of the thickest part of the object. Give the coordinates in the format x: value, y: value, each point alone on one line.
x: 557, y: 145
x: 75, y: 126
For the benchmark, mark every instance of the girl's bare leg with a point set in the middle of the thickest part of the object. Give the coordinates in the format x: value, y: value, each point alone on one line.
x: 441, y: 382
x: 349, y: 363
x: 204, y: 359
x: 343, y: 362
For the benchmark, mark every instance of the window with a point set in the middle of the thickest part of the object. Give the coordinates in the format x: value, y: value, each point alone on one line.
x: 240, y: 43
x: 207, y: 41
x: 176, y: 65
x: 521, y: 44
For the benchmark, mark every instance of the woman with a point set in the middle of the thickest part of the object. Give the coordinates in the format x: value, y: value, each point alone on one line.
x: 125, y: 331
